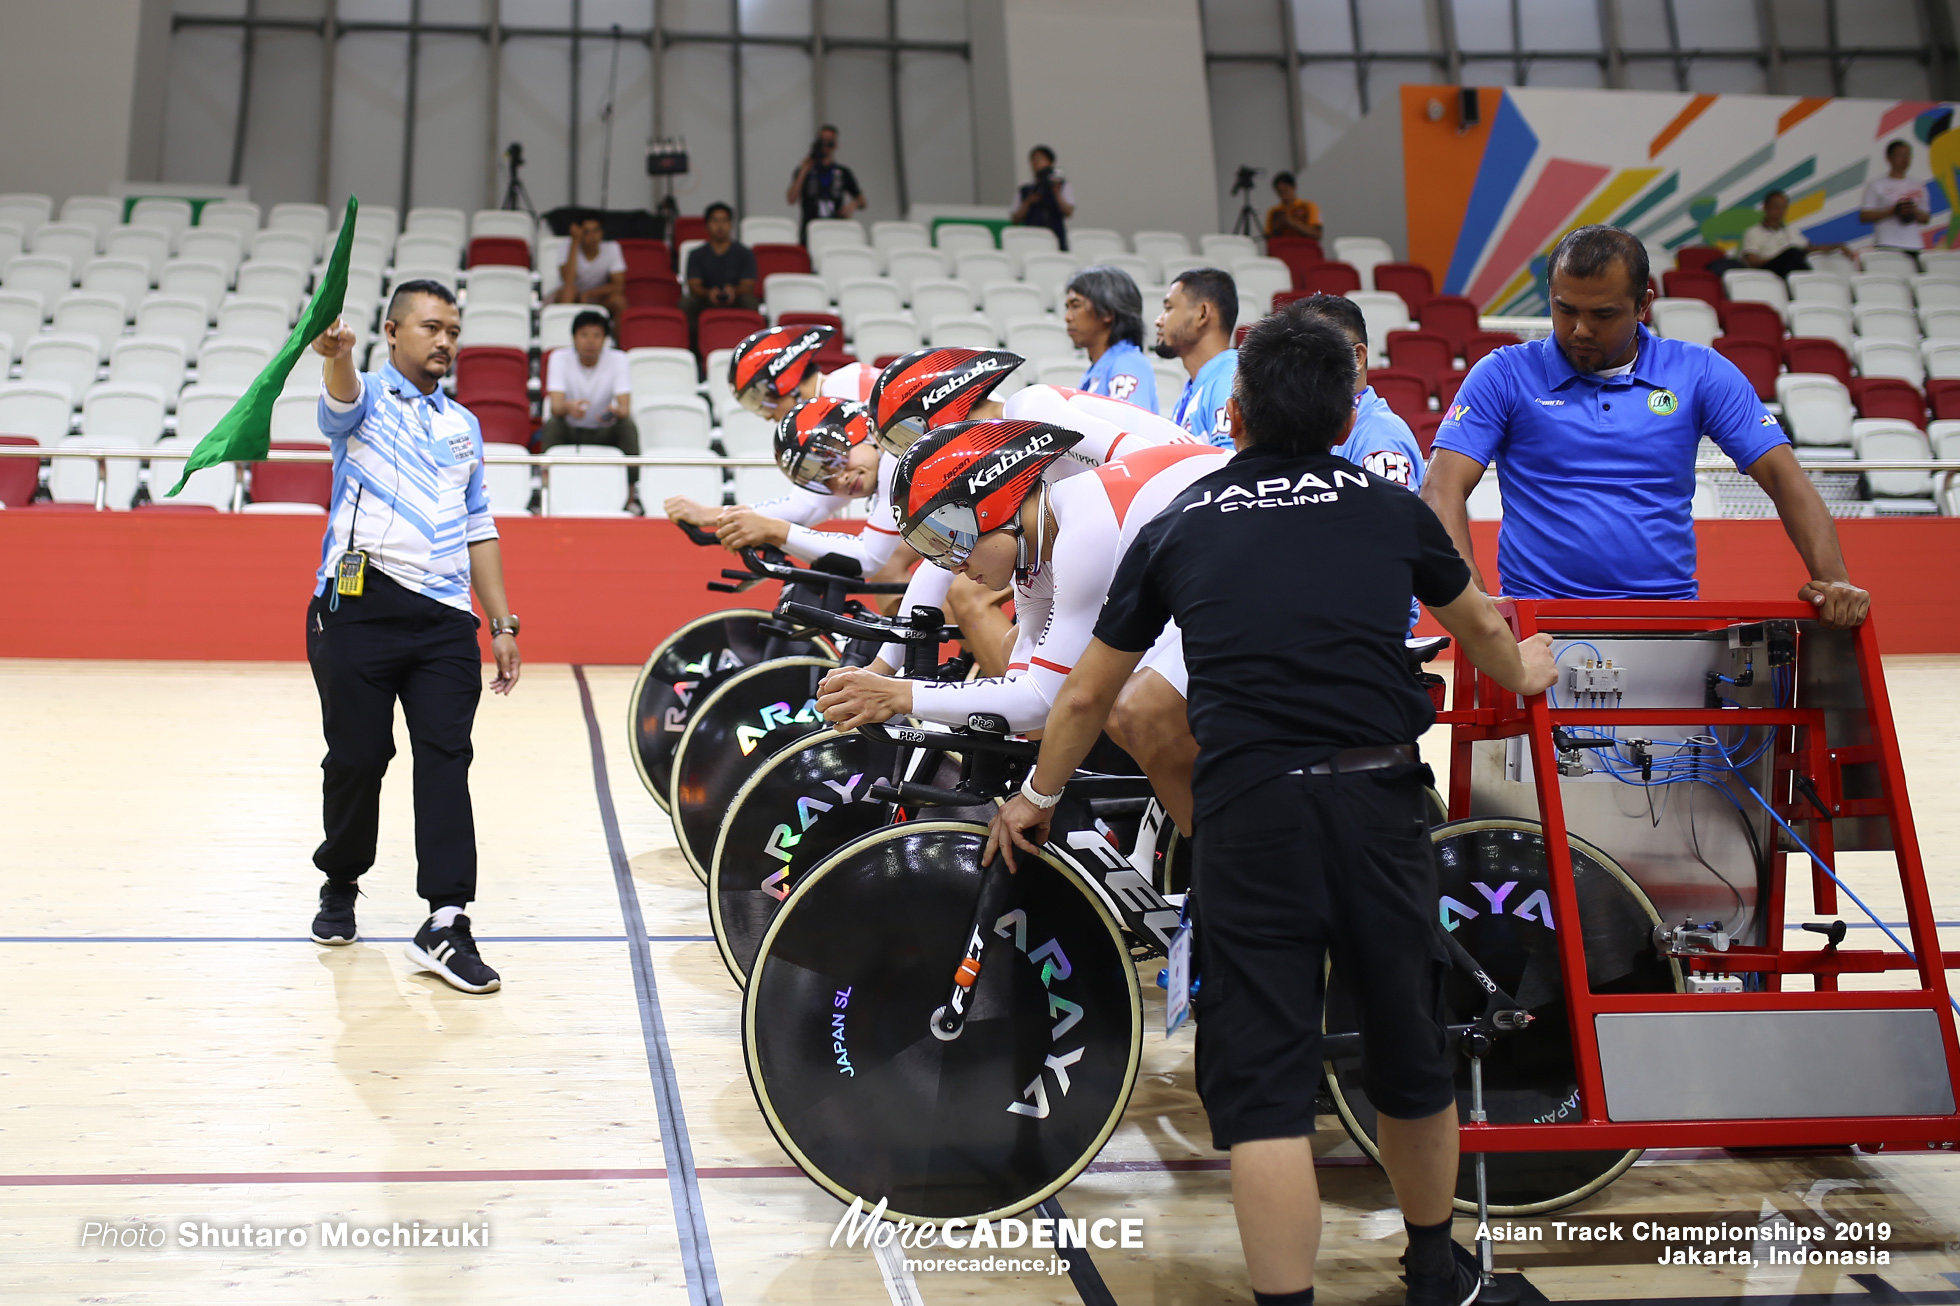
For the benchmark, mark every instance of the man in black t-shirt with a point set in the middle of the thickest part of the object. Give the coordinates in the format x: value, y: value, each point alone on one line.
x: 1312, y: 831
x: 721, y: 273
x: 824, y: 187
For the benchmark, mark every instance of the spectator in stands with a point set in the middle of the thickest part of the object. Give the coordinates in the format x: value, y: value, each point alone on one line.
x: 1046, y: 201
x: 1774, y: 244
x: 594, y: 271
x: 1292, y: 216
x: 1895, y: 206
x: 721, y: 273
x: 1595, y: 431
x: 590, y: 399
x: 1104, y: 315
x: 824, y: 187
x: 1195, y: 328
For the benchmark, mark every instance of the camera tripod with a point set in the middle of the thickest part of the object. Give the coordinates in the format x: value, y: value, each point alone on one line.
x: 1247, y: 223
x: 515, y: 195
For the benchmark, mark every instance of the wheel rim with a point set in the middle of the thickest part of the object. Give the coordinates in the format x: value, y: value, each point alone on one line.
x: 1528, y: 1076
x: 920, y: 1123
x: 738, y: 726
x: 701, y: 651
x: 800, y: 806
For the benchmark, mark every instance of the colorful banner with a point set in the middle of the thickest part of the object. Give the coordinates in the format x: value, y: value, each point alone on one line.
x: 1487, y: 203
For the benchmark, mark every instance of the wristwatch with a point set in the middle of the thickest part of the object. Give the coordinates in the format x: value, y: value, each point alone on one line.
x: 1044, y: 801
x: 508, y: 626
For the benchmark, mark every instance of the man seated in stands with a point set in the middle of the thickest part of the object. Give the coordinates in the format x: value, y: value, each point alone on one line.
x: 589, y: 398
x: 594, y: 271
x: 721, y: 273
x: 1774, y: 244
x: 1292, y: 216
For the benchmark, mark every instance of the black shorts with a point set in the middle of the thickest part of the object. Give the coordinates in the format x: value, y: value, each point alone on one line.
x: 1288, y: 873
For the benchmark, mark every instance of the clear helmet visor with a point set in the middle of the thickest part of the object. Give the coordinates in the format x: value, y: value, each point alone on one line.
x: 946, y: 536
x: 823, y: 455
x: 901, y: 435
x: 757, y: 399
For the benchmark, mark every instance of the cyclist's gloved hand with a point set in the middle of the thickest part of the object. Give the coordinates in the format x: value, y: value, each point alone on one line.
x: 853, y: 696
x: 1017, y: 823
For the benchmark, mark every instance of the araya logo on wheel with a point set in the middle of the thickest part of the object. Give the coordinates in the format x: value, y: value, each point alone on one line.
x: 1054, y: 965
x: 783, y: 840
x: 776, y: 714
x: 1535, y: 906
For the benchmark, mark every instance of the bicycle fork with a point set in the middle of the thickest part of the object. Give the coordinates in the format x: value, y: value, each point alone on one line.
x: 950, y: 1019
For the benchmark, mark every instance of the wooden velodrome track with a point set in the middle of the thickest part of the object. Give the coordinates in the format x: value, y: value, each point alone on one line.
x: 177, y: 1051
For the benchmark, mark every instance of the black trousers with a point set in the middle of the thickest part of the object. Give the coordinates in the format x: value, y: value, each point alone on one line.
x: 389, y: 644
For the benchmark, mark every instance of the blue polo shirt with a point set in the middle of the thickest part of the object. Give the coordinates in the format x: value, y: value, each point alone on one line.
x: 1598, y: 474
x: 1382, y: 443
x: 1122, y: 373
x: 1201, y: 408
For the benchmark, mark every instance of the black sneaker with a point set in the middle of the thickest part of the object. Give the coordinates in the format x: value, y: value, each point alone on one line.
x: 451, y: 953
x: 334, y: 925
x: 1458, y: 1288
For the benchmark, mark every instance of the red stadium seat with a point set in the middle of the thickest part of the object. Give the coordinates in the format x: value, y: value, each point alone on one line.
x: 771, y: 259
x: 689, y: 228
x: 1298, y: 253
x: 1238, y: 336
x: 1425, y: 353
x: 503, y: 421
x: 1424, y: 427
x: 1446, y: 387
x: 1943, y: 395
x: 1452, y: 317
x: 1697, y: 257
x: 1405, y: 392
x: 506, y: 251
x: 292, y: 482
x: 1888, y: 396
x: 653, y: 328
x: 725, y: 328
x: 492, y: 371
x: 1479, y: 343
x: 1686, y: 284
x: 1749, y: 321
x: 1811, y: 354
x: 1409, y: 280
x: 18, y: 476
x: 647, y: 258
x: 652, y: 290
x: 813, y: 319
x: 1329, y: 279
x: 1759, y: 360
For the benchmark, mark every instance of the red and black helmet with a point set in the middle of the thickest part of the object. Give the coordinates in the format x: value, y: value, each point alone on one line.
x: 816, y: 436
x: 773, y: 362
x: 929, y: 388
x: 958, y: 482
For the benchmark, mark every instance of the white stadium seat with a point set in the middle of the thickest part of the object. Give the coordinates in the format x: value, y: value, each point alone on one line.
x: 280, y: 282
x: 841, y: 263
x: 968, y: 332
x: 1007, y: 302
x: 1819, y: 287
x: 660, y: 372
x: 555, y: 324
x: 511, y: 224
x: 866, y: 295
x: 239, y: 216
x: 72, y: 241
x: 1816, y: 319
x: 1890, y: 358
x: 156, y: 361
x: 1173, y: 266
x: 1018, y: 243
x: 493, y: 284
x: 1486, y: 501
x: 879, y: 334
x: 453, y: 279
x: 31, y: 408
x: 1049, y: 274
x: 100, y: 317
x: 981, y: 268
x: 1816, y: 408
x: 746, y: 435
x: 503, y: 325
x: 72, y: 480
x: 119, y: 411
x: 170, y: 315
x: 102, y: 212
x: 957, y: 238
x: 125, y: 278
x: 26, y: 211
x: 933, y: 301
x: 66, y: 362
x: 1384, y: 310
x: 1942, y: 358
x: 233, y: 364
x: 1895, y: 263
x: 507, y: 484
x: 721, y: 400
x: 1066, y: 372
x: 284, y: 245
x: 164, y: 213
x: 1171, y: 379
x: 451, y: 223
x: 1942, y: 263
x: 1872, y: 290
x: 45, y: 276
x: 1153, y: 247
x: 310, y: 220
x: 795, y: 292
x: 826, y: 233
x: 890, y: 237
x: 575, y: 491
x: 200, y: 406
x: 261, y: 319
x: 1038, y: 341
x: 434, y: 248
x: 1935, y: 292
x: 909, y: 267
x: 1880, y: 439
x: 1258, y: 280
x: 214, y: 245
x: 752, y: 485
x: 294, y: 417
x: 1095, y: 244
x: 768, y: 231
x: 1222, y: 251
x: 149, y: 246
x: 1693, y: 320
x: 20, y: 322
x: 1708, y: 499
x: 1886, y: 322
x: 204, y: 282
x: 1945, y: 437
x: 677, y: 422
x: 1755, y: 286
x: 209, y: 486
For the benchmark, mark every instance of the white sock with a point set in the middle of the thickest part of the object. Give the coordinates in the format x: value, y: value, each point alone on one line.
x: 444, y: 917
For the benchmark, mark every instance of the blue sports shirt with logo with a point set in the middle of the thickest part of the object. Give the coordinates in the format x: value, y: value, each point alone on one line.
x: 1123, y: 372
x: 1201, y: 408
x: 1598, y: 474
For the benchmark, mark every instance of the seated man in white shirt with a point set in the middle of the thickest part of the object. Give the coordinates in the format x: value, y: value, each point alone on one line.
x: 1896, y: 206
x: 1774, y: 244
x: 589, y: 398
x: 594, y: 271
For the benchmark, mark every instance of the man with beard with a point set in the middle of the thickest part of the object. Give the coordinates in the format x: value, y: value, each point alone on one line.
x: 409, y: 534
x: 1195, y: 328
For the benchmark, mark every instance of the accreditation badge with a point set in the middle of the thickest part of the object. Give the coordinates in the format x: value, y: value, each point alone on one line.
x: 1177, y: 1001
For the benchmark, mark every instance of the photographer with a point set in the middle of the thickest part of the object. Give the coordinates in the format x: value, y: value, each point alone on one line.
x: 825, y: 187
x: 1292, y: 216
x: 1895, y: 207
x: 1046, y: 201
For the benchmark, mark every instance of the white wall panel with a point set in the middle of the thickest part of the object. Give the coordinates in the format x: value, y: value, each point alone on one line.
x: 632, y: 112
x: 201, y: 103
x: 858, y: 100
x: 282, y: 138
x: 370, y: 92
x: 935, y: 103
x: 779, y: 126
x: 534, y: 107
x: 1248, y: 119
x: 452, y: 97
x: 696, y: 106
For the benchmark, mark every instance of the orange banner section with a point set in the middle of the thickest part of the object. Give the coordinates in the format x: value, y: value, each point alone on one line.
x: 222, y: 588
x: 1797, y: 112
x: 1440, y: 159
x: 1696, y: 107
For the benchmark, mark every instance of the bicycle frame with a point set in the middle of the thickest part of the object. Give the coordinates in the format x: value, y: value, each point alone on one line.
x: 1784, y: 1039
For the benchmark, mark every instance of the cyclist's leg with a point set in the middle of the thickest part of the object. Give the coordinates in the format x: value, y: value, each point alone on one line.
x: 1150, y: 723
x: 988, y: 630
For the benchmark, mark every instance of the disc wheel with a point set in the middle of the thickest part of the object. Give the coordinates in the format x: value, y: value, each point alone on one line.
x: 800, y: 806
x: 732, y: 729
x: 1496, y: 897
x: 850, y: 1076
x: 704, y: 649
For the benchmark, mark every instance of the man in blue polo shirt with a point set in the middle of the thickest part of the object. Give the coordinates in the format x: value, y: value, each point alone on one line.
x: 1103, y: 312
x: 1594, y: 433
x: 1195, y: 328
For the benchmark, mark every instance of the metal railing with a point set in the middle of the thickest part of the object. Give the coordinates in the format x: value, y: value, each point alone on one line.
x: 546, y: 461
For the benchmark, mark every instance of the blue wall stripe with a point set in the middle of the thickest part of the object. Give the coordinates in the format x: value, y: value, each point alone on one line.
x: 1506, y: 155
x: 690, y: 1221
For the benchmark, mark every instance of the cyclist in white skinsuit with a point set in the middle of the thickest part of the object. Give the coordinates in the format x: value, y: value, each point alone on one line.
x: 977, y: 501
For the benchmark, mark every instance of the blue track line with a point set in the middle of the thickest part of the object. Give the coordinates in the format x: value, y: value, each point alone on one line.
x: 690, y: 1220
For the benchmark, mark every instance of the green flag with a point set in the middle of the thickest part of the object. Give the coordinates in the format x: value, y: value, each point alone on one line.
x: 245, y: 433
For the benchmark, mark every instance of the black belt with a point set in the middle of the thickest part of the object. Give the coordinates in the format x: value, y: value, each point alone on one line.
x: 1348, y: 760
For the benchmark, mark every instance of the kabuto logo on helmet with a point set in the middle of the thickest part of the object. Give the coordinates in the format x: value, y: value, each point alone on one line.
x: 929, y: 388
x: 793, y: 353
x: 1008, y: 461
x: 938, y: 394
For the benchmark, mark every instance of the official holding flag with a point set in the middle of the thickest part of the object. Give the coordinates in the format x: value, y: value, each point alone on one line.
x: 408, y: 535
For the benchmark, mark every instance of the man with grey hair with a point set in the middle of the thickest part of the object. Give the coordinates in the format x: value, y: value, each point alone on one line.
x: 1104, y: 315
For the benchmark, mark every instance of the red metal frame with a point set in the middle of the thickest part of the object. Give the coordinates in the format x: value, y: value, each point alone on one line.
x: 1482, y: 710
